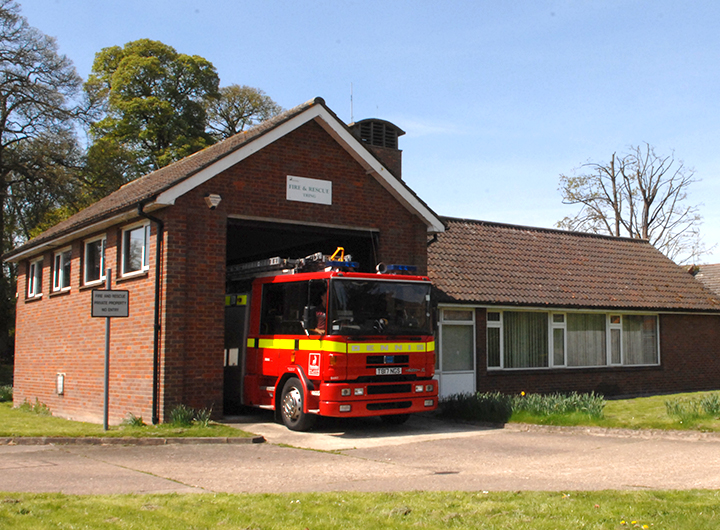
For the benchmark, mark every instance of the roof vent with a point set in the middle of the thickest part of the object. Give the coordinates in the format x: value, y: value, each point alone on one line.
x: 381, y: 138
x: 379, y: 133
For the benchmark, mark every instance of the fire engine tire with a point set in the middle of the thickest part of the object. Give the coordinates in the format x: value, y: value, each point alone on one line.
x: 292, y: 401
x: 395, y: 419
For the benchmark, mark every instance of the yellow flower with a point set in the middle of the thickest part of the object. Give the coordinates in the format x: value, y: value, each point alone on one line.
x: 522, y: 393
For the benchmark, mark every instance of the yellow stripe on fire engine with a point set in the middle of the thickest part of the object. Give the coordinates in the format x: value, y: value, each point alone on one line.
x: 277, y: 344
x: 431, y: 346
x: 388, y: 347
x: 303, y: 345
x: 323, y: 345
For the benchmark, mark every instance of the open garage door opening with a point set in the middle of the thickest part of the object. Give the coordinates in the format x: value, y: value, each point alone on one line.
x: 249, y: 241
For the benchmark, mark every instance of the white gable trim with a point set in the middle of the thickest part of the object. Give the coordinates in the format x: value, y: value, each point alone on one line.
x: 338, y: 131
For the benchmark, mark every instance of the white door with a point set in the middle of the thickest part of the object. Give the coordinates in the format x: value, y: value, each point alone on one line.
x: 456, y: 359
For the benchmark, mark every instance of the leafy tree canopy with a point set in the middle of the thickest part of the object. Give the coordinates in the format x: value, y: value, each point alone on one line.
x: 150, y: 103
x: 38, y: 147
x: 238, y: 108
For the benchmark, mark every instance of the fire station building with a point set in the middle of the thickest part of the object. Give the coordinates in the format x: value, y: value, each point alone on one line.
x: 518, y: 308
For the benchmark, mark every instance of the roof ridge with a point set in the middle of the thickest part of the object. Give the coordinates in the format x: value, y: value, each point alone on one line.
x: 542, y: 229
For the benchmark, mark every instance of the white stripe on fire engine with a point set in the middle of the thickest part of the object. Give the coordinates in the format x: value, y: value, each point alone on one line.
x: 392, y: 347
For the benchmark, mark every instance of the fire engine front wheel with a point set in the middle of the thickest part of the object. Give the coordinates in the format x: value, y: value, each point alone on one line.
x: 292, y: 401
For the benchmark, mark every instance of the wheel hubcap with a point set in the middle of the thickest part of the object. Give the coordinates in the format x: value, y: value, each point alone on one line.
x: 292, y: 404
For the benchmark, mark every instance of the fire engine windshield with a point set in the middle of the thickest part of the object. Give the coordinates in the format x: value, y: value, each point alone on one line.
x: 379, y: 307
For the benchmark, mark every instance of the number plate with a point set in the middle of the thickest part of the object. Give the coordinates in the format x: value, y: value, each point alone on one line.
x: 389, y: 371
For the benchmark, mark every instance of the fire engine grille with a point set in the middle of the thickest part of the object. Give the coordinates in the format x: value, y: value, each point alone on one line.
x: 389, y: 406
x: 388, y: 389
x: 387, y: 359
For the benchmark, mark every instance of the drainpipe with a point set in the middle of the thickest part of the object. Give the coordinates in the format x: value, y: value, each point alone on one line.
x: 156, y: 335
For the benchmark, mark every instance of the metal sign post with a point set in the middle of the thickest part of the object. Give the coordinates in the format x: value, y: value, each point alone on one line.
x: 109, y: 304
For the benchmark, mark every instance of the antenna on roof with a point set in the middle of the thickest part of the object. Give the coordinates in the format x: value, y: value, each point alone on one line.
x: 352, y: 116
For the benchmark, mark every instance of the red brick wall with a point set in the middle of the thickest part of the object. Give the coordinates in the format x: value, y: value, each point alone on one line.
x: 57, y: 335
x: 689, y: 361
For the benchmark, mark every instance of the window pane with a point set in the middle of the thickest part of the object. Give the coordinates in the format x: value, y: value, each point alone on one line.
x: 493, y: 347
x: 94, y: 260
x: 525, y: 339
x: 457, y: 348
x: 493, y: 317
x: 558, y: 347
x: 66, y: 261
x: 586, y: 339
x: 455, y: 314
x: 57, y: 272
x: 615, y: 356
x: 640, y: 339
x: 282, y: 308
x: 134, y: 247
x: 558, y: 318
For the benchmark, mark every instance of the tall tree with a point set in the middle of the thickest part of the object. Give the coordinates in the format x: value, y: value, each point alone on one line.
x: 150, y: 102
x: 37, y: 87
x: 639, y: 194
x: 239, y: 107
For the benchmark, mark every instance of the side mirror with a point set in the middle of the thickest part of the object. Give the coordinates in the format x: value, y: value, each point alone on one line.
x: 309, y: 317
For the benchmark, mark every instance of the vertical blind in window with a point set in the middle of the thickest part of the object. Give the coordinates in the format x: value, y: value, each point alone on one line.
x: 640, y: 339
x: 525, y: 337
x: 586, y: 339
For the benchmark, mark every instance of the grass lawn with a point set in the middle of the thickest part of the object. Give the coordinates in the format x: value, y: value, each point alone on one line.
x: 367, y: 511
x: 18, y: 422
x: 637, y: 413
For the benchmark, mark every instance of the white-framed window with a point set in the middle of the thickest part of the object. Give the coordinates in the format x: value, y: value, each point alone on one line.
x: 61, y: 269
x: 94, y: 260
x: 573, y: 339
x: 34, y: 278
x: 135, y: 247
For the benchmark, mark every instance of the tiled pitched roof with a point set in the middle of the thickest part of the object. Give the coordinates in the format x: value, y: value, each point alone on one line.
x: 498, y: 264
x: 709, y: 275
x: 148, y: 187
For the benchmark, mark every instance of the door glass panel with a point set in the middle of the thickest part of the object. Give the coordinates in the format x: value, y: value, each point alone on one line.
x: 457, y: 348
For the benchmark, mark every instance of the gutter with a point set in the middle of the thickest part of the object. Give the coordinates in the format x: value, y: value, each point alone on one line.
x: 156, y: 327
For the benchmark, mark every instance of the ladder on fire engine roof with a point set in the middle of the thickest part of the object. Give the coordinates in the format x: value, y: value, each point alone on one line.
x: 312, y: 263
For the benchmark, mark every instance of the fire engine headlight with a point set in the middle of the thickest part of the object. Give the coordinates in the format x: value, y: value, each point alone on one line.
x: 419, y: 388
x: 359, y: 391
x: 345, y: 408
x: 345, y: 392
x: 429, y: 388
x: 429, y: 402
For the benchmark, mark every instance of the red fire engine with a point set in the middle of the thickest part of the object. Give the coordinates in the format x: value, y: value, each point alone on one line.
x: 310, y: 338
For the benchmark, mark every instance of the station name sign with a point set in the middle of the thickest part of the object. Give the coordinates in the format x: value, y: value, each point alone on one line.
x: 303, y: 189
x: 109, y: 304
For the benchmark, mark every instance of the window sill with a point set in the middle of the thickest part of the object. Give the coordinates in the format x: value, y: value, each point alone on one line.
x: 133, y: 276
x: 63, y: 292
x: 35, y: 298
x: 99, y: 284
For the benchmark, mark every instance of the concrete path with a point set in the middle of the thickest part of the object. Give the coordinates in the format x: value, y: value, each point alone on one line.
x: 424, y: 454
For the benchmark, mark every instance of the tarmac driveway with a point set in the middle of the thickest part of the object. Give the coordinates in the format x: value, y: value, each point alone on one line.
x: 424, y: 454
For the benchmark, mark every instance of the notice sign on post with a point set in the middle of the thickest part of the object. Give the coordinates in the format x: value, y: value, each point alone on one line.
x: 110, y: 304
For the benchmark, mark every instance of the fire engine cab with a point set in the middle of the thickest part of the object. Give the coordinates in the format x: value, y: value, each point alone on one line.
x: 310, y: 337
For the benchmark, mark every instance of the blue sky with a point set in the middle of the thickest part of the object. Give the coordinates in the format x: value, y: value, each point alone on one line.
x: 498, y: 98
